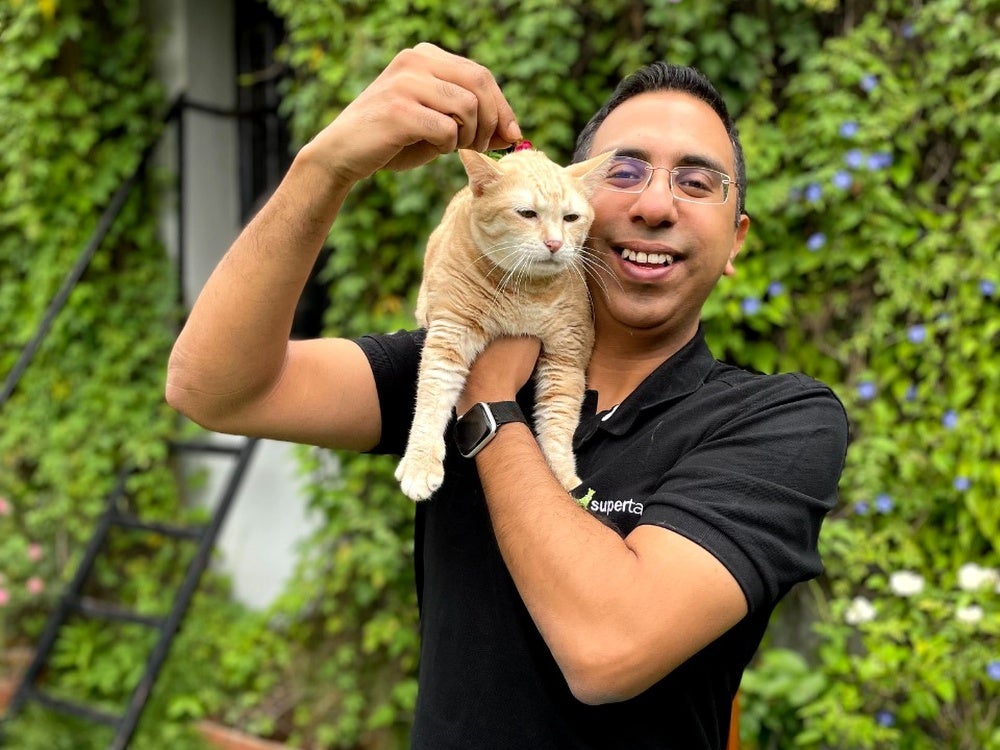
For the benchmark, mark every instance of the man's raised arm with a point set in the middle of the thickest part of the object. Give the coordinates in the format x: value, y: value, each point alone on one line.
x: 233, y: 368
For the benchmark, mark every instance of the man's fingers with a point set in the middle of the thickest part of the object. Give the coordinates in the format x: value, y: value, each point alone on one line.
x: 487, y: 119
x: 426, y: 102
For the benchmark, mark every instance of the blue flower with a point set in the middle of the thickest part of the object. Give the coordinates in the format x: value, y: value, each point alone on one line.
x: 814, y: 191
x: 854, y: 159
x: 885, y: 719
x: 848, y: 128
x: 750, y: 305
x: 911, y: 392
x: 993, y: 669
x: 916, y: 334
x: 775, y: 289
x: 869, y: 82
x: 816, y: 241
x: 879, y: 160
x: 950, y: 419
x: 842, y: 179
x: 962, y: 483
x: 908, y: 30
x: 883, y: 503
x: 867, y: 390
x: 987, y: 288
x: 861, y: 508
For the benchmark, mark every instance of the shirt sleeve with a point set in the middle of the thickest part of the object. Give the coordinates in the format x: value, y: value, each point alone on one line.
x: 395, y: 363
x: 755, y: 490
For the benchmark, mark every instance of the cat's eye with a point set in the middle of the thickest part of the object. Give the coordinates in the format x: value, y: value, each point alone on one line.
x: 570, y: 218
x: 527, y: 213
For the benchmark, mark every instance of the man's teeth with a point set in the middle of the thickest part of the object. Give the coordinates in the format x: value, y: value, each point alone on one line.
x: 656, y: 259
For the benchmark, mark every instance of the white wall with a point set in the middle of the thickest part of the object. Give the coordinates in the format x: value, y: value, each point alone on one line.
x: 195, y: 56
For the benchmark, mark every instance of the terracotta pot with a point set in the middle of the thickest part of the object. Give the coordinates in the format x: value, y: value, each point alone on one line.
x: 7, y: 688
x: 13, y: 662
x: 225, y: 738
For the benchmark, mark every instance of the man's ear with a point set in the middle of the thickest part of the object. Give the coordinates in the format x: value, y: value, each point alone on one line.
x: 741, y: 234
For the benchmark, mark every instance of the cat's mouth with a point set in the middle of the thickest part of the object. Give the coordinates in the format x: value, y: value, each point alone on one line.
x: 645, y: 259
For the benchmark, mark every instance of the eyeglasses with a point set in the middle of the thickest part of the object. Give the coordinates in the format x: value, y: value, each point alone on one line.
x: 694, y: 184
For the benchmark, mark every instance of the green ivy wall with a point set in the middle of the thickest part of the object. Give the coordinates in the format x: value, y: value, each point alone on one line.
x: 78, y: 105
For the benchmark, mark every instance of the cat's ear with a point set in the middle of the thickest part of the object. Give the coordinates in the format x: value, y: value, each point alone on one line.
x: 591, y: 173
x: 482, y: 170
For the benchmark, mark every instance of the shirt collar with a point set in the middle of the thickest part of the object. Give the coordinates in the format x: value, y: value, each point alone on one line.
x: 675, y: 378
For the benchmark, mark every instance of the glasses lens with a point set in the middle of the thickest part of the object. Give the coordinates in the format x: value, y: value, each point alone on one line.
x: 627, y: 174
x: 697, y: 184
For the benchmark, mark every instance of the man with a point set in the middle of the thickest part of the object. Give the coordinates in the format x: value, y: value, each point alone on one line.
x: 545, y: 624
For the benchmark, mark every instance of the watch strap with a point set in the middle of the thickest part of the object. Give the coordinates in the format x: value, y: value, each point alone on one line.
x: 505, y: 412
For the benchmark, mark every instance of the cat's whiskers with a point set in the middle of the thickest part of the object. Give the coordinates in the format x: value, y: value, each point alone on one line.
x: 579, y: 268
x: 513, y: 281
x: 594, y: 264
x: 505, y: 275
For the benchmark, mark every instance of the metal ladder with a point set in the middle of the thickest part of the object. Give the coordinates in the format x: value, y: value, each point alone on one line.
x: 73, y: 602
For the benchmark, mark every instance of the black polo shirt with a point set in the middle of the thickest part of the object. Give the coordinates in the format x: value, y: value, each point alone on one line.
x: 744, y: 464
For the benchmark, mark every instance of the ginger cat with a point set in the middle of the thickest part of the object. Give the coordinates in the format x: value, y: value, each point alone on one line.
x: 507, y: 259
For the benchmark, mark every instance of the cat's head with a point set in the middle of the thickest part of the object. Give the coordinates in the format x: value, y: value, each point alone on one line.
x: 529, y: 214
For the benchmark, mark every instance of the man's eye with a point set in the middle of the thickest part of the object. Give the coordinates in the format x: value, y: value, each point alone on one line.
x: 624, y: 173
x: 696, y: 180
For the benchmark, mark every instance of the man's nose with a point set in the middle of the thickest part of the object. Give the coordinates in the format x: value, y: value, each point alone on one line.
x: 656, y: 204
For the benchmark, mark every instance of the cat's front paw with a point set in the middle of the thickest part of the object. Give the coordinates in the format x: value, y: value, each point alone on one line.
x: 570, y: 481
x: 419, y: 479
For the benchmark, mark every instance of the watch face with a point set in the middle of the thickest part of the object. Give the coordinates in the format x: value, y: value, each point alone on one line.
x: 473, y: 430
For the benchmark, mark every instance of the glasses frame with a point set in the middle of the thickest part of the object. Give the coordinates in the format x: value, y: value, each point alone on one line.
x: 672, y: 172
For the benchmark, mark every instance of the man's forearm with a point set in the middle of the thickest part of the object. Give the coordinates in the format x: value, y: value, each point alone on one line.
x: 234, y: 345
x: 618, y: 614
x: 570, y: 569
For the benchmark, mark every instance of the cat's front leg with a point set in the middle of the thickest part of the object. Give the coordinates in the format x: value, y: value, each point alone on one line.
x: 560, y: 384
x: 444, y: 367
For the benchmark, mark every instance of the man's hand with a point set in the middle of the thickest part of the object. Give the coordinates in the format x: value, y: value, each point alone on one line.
x: 500, y: 371
x: 425, y: 103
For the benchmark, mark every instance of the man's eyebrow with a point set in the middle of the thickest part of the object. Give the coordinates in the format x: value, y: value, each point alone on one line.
x: 687, y: 160
x: 634, y: 153
x: 700, y: 160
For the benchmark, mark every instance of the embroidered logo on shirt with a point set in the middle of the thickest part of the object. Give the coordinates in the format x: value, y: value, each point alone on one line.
x: 607, y: 507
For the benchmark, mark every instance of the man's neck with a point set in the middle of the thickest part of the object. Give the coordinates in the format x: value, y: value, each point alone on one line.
x: 619, y: 364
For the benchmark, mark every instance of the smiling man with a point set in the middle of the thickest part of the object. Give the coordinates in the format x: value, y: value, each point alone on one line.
x: 622, y: 616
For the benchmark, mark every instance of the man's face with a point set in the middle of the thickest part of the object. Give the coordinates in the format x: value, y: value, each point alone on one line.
x: 667, y: 129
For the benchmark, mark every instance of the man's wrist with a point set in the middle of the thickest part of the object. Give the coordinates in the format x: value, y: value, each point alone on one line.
x: 470, y: 399
x: 476, y: 427
x: 329, y: 178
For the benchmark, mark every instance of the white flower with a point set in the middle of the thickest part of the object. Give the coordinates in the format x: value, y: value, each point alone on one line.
x: 970, y: 615
x: 859, y: 611
x: 906, y: 583
x: 972, y: 577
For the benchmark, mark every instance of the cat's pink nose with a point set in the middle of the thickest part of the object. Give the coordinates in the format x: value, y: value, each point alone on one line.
x: 553, y: 245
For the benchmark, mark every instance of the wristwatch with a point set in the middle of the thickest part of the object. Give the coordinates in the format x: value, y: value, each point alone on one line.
x: 477, y: 427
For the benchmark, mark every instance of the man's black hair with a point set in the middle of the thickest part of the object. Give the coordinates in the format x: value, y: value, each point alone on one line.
x: 661, y: 76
